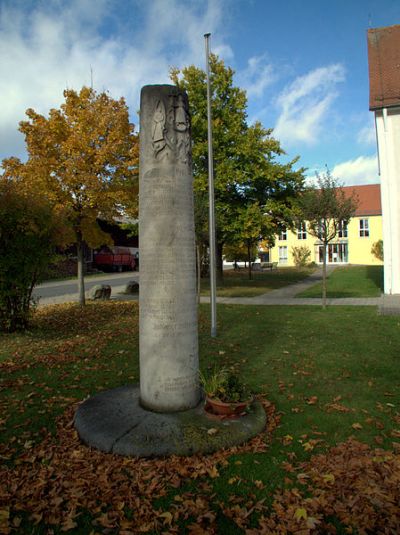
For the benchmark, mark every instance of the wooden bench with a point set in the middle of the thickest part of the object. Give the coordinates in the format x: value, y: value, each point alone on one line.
x: 269, y: 265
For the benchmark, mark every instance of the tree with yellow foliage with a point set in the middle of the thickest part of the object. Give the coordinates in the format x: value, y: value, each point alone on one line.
x: 83, y: 158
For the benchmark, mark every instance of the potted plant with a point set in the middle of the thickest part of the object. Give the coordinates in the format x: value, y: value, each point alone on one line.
x: 226, y: 395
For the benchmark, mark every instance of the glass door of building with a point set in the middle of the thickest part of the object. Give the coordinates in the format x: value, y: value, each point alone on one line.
x: 337, y: 253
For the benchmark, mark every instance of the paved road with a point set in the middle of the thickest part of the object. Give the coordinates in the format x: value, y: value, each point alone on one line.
x: 67, y: 291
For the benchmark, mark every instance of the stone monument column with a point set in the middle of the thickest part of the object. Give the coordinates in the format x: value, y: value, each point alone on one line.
x: 167, y: 297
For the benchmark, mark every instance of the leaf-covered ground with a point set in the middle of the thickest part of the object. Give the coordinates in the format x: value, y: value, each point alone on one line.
x: 328, y: 462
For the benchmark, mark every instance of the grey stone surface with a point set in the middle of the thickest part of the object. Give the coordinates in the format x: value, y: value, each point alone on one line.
x: 167, y: 302
x: 390, y: 305
x: 114, y: 421
x: 100, y: 291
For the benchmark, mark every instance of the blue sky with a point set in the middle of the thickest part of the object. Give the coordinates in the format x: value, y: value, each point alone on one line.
x: 303, y: 64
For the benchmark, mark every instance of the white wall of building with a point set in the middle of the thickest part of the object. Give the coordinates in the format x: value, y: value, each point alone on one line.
x: 388, y: 135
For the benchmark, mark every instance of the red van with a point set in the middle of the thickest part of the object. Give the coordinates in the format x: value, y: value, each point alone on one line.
x: 118, y: 259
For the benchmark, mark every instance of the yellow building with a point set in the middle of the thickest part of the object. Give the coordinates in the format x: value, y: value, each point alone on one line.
x: 353, y: 243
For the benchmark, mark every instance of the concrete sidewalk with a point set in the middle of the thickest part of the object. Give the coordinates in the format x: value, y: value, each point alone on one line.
x: 388, y: 304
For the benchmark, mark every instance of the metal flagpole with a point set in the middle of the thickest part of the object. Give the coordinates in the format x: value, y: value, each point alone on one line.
x: 213, y: 282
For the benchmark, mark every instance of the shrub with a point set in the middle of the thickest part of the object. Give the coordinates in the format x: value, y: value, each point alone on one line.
x: 27, y: 243
x: 377, y: 250
x: 225, y: 386
x: 301, y: 255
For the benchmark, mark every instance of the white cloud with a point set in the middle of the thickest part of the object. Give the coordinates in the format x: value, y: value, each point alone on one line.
x: 363, y: 124
x: 361, y: 170
x: 64, y: 40
x: 180, y: 26
x: 222, y: 51
x: 257, y: 76
x: 366, y: 135
x: 312, y: 172
x: 305, y: 104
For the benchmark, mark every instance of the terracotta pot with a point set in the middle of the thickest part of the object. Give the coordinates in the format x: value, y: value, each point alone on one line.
x: 215, y: 406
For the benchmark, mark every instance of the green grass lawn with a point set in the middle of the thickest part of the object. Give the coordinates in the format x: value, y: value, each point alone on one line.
x: 236, y: 283
x: 350, y: 281
x: 328, y: 379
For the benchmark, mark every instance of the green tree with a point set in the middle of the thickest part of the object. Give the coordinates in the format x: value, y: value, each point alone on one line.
x: 325, y: 207
x: 29, y: 233
x: 82, y: 157
x: 246, y: 171
x: 252, y: 225
x: 237, y: 252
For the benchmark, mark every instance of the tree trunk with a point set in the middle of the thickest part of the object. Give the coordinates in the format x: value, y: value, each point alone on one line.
x: 249, y: 259
x: 81, y: 281
x: 324, y: 278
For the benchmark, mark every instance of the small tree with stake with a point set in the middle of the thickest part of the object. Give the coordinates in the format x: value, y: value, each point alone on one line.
x: 326, y: 207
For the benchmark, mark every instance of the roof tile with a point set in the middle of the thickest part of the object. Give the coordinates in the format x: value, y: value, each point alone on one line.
x: 369, y: 199
x: 384, y: 67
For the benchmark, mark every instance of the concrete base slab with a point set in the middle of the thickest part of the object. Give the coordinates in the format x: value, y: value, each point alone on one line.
x: 114, y: 422
x: 390, y: 305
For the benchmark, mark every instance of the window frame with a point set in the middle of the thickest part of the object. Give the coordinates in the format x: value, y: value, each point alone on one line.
x: 363, y: 227
x: 343, y: 229
x: 302, y: 230
x: 281, y: 258
x: 320, y: 229
x: 283, y: 234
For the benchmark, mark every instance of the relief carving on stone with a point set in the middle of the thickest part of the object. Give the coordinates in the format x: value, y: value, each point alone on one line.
x: 171, y: 130
x: 158, y: 130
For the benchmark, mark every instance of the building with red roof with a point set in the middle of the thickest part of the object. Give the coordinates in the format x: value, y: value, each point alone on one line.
x: 353, y: 244
x: 368, y: 198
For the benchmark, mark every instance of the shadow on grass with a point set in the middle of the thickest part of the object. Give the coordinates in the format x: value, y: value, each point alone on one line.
x: 375, y: 274
x: 236, y: 283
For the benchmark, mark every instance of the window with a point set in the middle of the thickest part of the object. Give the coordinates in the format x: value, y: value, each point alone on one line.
x: 283, y: 255
x: 302, y: 231
x: 342, y: 229
x: 364, y: 228
x: 283, y: 234
x: 337, y: 253
x: 321, y: 228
